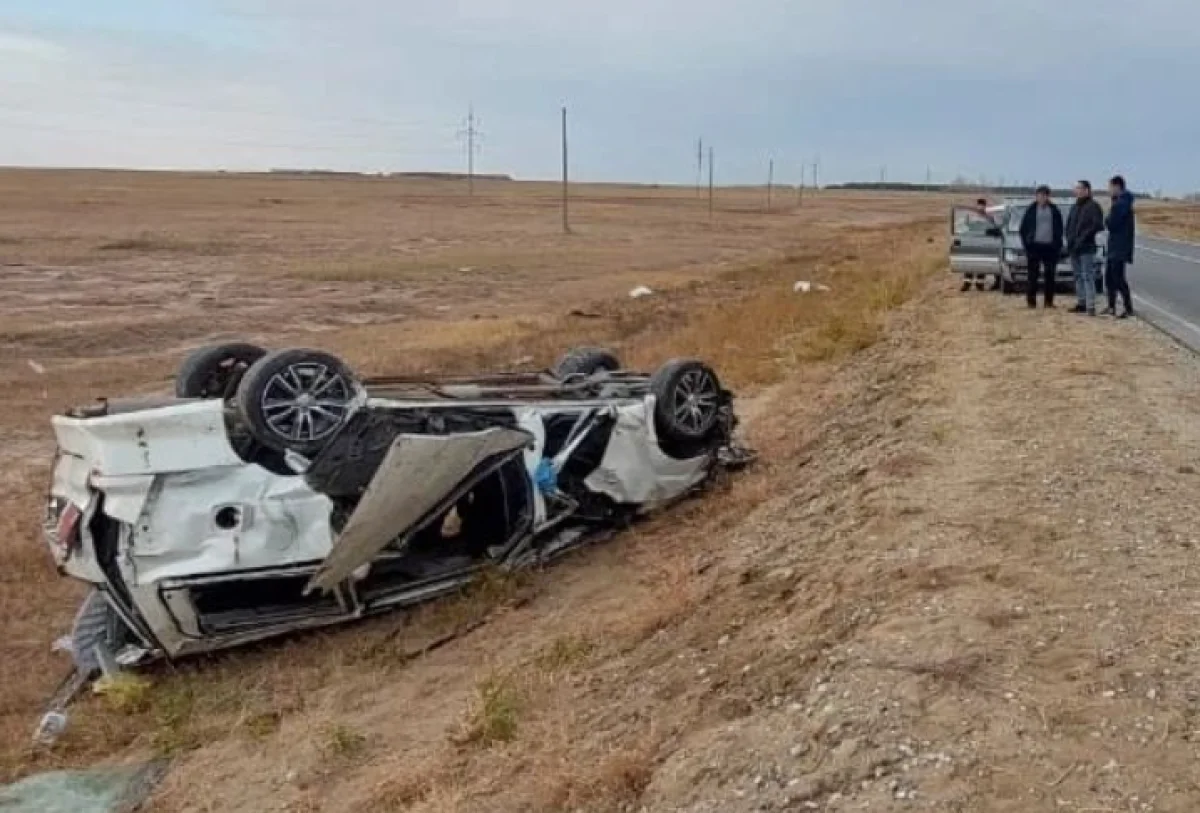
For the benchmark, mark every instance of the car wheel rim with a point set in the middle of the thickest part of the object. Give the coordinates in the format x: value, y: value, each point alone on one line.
x: 307, y: 402
x: 695, y: 402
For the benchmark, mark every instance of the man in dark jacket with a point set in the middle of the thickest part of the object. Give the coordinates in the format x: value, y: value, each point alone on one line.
x: 1042, y: 239
x: 1120, y: 224
x: 1083, y: 224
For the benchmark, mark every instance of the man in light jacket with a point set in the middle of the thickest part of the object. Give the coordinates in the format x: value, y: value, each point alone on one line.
x: 1083, y: 224
x: 1121, y: 230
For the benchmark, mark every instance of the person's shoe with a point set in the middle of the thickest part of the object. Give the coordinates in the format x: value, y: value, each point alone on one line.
x: 1079, y: 309
x: 1049, y: 306
x: 1092, y: 312
x: 1125, y: 315
x: 1032, y: 305
x: 979, y: 285
x: 1109, y: 312
x: 966, y: 286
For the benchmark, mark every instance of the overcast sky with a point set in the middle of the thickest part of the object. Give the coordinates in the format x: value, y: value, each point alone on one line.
x: 1014, y: 89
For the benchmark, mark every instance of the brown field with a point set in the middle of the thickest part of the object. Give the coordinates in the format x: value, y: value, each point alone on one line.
x: 1178, y: 220
x: 110, y: 277
x: 961, y: 577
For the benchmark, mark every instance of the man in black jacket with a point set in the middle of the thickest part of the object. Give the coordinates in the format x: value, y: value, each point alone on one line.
x: 1083, y: 224
x: 1042, y: 239
x: 1120, y: 224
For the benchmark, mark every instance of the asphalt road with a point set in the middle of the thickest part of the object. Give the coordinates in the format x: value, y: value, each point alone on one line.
x: 1165, y: 279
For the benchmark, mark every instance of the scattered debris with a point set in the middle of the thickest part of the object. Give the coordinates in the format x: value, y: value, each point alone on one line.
x: 804, y: 286
x: 639, y: 292
x: 37, y: 368
x: 582, y: 314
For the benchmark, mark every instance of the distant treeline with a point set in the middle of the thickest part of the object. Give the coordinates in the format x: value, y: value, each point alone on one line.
x: 427, y: 176
x: 953, y: 188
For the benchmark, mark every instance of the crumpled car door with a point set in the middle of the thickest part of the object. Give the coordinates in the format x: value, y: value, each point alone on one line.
x: 420, y: 477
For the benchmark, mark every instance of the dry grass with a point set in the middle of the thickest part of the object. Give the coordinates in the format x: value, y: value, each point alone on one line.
x: 1178, y: 220
x: 725, y: 294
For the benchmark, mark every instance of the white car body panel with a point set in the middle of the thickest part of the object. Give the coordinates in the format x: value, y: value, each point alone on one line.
x: 186, y: 436
x: 635, y: 471
x: 167, y: 473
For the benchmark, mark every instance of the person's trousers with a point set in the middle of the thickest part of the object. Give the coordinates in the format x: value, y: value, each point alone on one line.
x: 1116, y: 283
x: 1083, y: 266
x: 1043, y: 262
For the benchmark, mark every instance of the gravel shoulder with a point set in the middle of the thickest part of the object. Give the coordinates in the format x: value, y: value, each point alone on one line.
x: 986, y: 575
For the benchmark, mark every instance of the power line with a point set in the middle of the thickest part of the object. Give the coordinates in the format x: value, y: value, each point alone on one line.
x: 566, y: 224
x: 770, y: 181
x: 472, y: 133
x: 710, y: 182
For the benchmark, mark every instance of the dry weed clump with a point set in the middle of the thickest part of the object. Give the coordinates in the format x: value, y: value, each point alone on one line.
x: 500, y: 701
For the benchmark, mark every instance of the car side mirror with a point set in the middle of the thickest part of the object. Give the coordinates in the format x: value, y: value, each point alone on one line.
x: 993, y: 232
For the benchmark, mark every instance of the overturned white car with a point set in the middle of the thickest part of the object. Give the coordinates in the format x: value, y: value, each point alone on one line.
x: 278, y: 491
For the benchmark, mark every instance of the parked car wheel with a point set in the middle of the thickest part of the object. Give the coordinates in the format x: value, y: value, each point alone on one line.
x: 214, y: 371
x: 687, y: 410
x: 296, y: 399
x: 586, y: 361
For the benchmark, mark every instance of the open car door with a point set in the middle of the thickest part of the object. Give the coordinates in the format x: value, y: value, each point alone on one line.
x: 419, y: 478
x: 974, y: 242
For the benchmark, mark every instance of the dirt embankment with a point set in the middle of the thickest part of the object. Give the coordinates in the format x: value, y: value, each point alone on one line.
x: 968, y: 585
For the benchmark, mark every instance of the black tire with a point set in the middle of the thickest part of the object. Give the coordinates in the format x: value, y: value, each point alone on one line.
x: 1006, y: 287
x: 296, y: 400
x: 586, y: 361
x: 214, y: 371
x: 687, y: 410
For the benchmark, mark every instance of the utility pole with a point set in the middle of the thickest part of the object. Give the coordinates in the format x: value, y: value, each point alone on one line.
x: 816, y: 175
x: 472, y: 134
x: 800, y: 189
x: 566, y: 223
x: 699, y: 164
x: 770, y: 181
x: 710, y: 183
x: 928, y: 176
x: 883, y: 174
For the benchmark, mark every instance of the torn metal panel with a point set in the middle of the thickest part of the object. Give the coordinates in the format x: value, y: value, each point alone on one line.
x: 227, y: 519
x: 634, y: 469
x: 417, y: 474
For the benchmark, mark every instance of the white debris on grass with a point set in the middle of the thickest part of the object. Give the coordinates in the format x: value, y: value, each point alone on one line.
x: 804, y: 286
x: 37, y: 368
x: 639, y: 292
